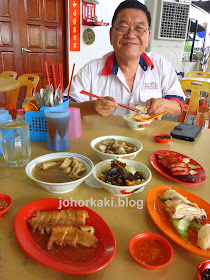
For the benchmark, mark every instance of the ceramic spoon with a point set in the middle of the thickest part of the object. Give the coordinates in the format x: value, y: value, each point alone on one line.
x: 145, y: 119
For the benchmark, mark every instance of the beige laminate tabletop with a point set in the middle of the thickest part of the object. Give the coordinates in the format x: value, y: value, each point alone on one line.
x: 8, y: 84
x: 125, y: 222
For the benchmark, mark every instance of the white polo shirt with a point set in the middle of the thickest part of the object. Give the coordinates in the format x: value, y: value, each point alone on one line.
x: 155, y: 78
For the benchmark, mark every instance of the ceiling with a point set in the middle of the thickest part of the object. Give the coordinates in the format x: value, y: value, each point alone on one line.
x: 205, y: 5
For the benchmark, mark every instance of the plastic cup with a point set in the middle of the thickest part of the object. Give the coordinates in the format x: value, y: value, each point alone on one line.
x: 57, y: 120
x: 75, y: 129
x: 4, y: 116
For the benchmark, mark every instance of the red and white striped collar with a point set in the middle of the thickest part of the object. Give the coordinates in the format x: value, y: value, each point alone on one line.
x: 111, y: 65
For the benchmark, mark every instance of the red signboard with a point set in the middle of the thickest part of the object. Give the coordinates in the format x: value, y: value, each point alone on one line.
x: 74, y: 24
x: 88, y: 11
x: 89, y: 16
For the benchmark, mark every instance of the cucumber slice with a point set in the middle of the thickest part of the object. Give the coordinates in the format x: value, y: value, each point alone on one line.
x: 181, y: 227
x: 195, y: 225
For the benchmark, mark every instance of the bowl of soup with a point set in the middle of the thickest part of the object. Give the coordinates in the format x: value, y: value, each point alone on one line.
x: 59, y: 172
x: 115, y: 146
x: 150, y: 250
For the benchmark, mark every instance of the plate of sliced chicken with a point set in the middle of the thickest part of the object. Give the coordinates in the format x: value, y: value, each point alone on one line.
x: 178, y: 167
x: 64, y: 236
x: 182, y: 216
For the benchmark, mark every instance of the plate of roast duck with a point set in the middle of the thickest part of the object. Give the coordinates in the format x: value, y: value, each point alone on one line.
x: 64, y: 236
x: 178, y: 167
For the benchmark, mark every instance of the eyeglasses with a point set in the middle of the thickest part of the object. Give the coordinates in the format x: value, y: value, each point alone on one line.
x: 124, y: 30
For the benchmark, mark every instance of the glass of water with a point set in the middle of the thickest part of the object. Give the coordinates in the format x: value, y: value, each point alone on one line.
x: 16, y: 144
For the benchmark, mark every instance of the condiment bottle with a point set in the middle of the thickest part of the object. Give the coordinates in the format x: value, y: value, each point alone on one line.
x: 20, y: 114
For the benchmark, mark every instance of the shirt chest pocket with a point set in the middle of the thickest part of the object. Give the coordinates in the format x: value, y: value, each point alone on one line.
x: 151, y: 90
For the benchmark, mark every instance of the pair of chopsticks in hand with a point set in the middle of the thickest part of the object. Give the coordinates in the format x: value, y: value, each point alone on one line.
x: 57, y: 75
x: 99, y: 97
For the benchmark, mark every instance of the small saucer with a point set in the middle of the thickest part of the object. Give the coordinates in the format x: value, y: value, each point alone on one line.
x: 202, y: 266
x: 8, y: 202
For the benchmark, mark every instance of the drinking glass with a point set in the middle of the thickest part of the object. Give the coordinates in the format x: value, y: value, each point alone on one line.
x: 57, y: 120
x: 16, y: 144
x: 4, y: 116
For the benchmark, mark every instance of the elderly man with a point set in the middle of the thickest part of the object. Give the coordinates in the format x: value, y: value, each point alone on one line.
x: 128, y: 75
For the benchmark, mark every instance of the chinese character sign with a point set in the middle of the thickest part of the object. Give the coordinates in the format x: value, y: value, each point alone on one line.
x: 74, y: 24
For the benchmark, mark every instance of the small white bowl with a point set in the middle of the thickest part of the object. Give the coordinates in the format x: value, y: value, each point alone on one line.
x: 59, y: 187
x: 122, y: 190
x: 104, y: 156
x: 133, y: 124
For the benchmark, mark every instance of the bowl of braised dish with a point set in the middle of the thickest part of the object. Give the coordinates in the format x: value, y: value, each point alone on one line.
x: 162, y: 138
x: 59, y: 172
x: 150, y: 250
x: 122, y: 177
x: 115, y: 146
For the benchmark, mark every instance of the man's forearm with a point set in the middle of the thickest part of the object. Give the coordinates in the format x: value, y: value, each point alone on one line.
x: 172, y: 107
x: 86, y: 108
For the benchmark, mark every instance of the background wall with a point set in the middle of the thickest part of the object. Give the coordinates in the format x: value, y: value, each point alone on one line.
x: 101, y: 45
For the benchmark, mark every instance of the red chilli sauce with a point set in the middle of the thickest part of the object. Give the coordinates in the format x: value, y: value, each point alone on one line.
x: 3, y: 204
x: 150, y: 252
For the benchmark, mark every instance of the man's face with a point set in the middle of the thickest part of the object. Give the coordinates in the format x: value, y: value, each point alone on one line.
x: 130, y: 46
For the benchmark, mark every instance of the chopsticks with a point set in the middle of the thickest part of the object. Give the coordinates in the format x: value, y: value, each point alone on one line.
x: 47, y: 73
x: 99, y: 97
x: 72, y: 73
x: 56, y: 74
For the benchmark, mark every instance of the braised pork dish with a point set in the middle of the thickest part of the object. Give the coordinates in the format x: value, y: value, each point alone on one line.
x: 59, y: 170
x: 64, y: 234
x: 113, y: 146
x: 122, y: 175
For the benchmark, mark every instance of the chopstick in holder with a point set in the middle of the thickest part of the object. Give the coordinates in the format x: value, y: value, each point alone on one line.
x: 72, y: 73
x: 99, y: 97
x: 53, y: 76
x: 57, y: 75
x: 48, y: 78
x: 60, y: 68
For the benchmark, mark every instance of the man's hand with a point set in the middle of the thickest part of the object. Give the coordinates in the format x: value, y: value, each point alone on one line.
x: 105, y: 106
x: 155, y: 106
x: 158, y: 105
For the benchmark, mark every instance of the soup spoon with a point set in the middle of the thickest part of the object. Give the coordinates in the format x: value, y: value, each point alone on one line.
x: 145, y: 119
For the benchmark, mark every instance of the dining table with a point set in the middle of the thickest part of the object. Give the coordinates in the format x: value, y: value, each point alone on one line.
x: 124, y: 222
x: 7, y: 84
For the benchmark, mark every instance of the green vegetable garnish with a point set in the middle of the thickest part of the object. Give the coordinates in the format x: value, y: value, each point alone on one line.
x: 161, y: 198
x: 181, y: 226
